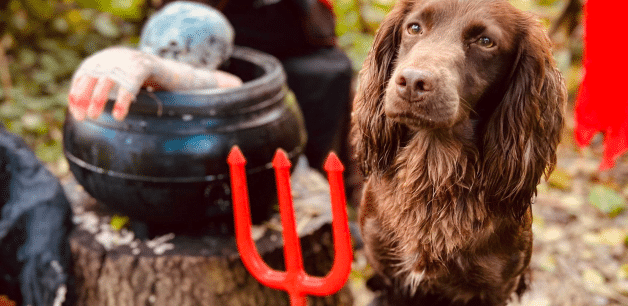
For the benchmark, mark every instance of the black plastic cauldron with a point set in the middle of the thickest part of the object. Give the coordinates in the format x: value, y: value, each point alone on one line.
x: 166, y: 162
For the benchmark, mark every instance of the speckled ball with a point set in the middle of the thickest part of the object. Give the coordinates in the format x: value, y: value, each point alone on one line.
x: 189, y: 32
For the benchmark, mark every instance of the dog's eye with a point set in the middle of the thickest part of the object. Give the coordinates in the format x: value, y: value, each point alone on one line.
x: 414, y: 29
x: 486, y: 42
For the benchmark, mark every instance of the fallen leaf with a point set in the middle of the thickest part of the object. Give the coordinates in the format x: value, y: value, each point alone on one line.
x: 551, y: 233
x: 560, y: 179
x: 591, y: 238
x: 547, y: 262
x: 607, y: 200
x: 119, y: 222
x: 622, y: 272
x: 612, y: 236
x: 592, y: 278
x: 572, y: 202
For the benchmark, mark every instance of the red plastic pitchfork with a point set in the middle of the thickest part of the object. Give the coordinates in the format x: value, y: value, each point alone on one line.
x: 294, y: 280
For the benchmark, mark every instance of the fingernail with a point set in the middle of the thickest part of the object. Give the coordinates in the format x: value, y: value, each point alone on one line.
x: 81, y: 83
x: 76, y: 112
x: 78, y: 115
x: 91, y: 112
x: 118, y: 114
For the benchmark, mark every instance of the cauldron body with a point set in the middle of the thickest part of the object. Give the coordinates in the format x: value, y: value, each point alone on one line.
x: 166, y: 162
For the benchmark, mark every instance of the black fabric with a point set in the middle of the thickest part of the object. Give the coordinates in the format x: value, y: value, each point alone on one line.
x: 319, y: 25
x: 281, y: 28
x: 35, y: 221
x: 321, y: 82
x: 275, y: 29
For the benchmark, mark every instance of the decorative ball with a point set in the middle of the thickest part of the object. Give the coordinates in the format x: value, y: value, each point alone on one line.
x: 189, y: 32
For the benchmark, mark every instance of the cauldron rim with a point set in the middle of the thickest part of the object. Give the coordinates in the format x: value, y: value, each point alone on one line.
x: 217, y: 101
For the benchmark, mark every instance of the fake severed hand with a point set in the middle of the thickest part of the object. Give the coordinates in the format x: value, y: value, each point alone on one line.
x: 123, y: 71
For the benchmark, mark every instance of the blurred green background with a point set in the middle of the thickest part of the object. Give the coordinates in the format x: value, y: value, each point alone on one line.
x: 42, y: 42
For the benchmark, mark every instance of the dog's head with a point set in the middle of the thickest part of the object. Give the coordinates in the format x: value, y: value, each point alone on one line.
x: 450, y: 55
x: 451, y: 64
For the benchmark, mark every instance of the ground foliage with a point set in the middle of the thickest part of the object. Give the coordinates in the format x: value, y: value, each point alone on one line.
x: 581, y: 225
x: 41, y: 44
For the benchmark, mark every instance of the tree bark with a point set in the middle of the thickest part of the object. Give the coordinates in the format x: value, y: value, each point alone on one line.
x: 114, y: 268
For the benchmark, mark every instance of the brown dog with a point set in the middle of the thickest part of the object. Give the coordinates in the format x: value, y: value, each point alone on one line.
x: 457, y: 118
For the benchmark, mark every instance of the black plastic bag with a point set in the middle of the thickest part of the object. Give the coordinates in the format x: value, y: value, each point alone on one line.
x: 35, y: 221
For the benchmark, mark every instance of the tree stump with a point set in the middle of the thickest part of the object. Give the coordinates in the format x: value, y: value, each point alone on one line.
x: 113, y: 267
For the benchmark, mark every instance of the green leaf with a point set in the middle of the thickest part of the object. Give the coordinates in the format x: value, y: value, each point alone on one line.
x: 106, y: 27
x: 42, y: 76
x: 14, y: 126
x: 622, y: 272
x: 357, y: 46
x: 49, y: 44
x: 574, y: 76
x: 119, y: 222
x: 27, y: 57
x: 373, y: 15
x: 607, y: 200
x: 11, y: 110
x: 20, y: 21
x: 40, y: 103
x: 50, y: 151
x: 34, y: 122
x: 49, y: 63
x: 40, y: 9
x: 69, y: 60
x: 92, y: 4
x: 59, y: 115
x: 127, y: 9
x: 348, y: 23
x: 60, y: 25
x: 94, y: 43
x: 546, y: 2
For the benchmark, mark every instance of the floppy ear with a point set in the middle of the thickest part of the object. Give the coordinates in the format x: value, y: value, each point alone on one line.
x: 375, y: 138
x: 522, y: 135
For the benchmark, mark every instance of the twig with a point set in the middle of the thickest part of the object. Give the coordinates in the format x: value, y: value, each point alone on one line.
x: 570, y: 17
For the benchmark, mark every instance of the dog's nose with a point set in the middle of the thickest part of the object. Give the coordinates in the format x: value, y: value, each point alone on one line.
x: 413, y: 83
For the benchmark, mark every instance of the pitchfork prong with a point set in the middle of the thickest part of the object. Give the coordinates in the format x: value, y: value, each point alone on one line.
x: 292, y: 246
x: 242, y: 215
x: 343, y: 253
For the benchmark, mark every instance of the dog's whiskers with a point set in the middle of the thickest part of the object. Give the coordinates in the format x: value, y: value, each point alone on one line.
x: 467, y: 106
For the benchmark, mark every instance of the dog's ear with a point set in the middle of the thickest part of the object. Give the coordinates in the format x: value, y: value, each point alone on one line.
x: 523, y: 132
x: 375, y: 138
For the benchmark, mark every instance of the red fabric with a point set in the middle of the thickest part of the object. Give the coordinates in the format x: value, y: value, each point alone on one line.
x: 327, y: 4
x: 602, y: 104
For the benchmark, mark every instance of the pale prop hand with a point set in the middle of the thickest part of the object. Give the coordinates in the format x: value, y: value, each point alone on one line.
x: 123, y: 72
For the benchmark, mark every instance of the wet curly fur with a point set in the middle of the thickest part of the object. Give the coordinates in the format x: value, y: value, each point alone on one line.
x: 457, y: 118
